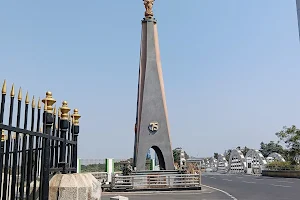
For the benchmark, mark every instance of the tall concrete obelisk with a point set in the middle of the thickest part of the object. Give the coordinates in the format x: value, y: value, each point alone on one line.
x: 152, y: 127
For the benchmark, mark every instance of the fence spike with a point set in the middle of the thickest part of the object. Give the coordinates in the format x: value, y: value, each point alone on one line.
x: 4, y: 87
x: 27, y: 98
x: 33, y: 102
x: 20, y: 94
x: 54, y: 111
x: 39, y: 103
x: 12, y: 92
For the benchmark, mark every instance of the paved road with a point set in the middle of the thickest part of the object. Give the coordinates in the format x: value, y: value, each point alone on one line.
x: 204, y: 194
x: 245, y: 187
x: 227, y: 187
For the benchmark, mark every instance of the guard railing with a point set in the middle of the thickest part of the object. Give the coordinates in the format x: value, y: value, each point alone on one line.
x: 156, y: 181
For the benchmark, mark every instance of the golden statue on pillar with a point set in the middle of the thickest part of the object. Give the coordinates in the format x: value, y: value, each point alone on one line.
x: 148, y: 6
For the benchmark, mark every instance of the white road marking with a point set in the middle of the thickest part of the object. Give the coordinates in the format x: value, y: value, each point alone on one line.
x: 213, y: 177
x: 281, y: 185
x: 248, y: 182
x: 285, y: 182
x: 232, y: 197
x: 239, y: 177
x: 226, y: 180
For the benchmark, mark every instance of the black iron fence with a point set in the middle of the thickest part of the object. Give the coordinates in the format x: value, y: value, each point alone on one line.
x: 44, y: 145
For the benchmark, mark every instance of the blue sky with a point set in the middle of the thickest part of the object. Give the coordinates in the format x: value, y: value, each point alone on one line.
x: 231, y: 68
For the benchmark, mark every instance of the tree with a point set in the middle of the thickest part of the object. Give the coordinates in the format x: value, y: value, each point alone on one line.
x: 245, y: 150
x: 216, y: 155
x: 176, y: 155
x: 93, y: 168
x: 291, y: 137
x: 227, y: 154
x: 267, y: 148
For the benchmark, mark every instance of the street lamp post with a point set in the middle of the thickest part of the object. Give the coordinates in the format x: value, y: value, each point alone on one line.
x: 298, y: 14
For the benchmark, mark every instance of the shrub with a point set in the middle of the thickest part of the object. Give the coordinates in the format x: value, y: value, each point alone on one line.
x: 277, y: 165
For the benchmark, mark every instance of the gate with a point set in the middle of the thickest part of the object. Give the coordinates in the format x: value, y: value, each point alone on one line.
x: 35, y: 145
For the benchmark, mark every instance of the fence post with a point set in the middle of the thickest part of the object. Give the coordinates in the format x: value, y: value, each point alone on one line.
x: 109, y: 162
x: 57, y: 142
x: 48, y: 121
x: 64, y: 125
x: 23, y: 150
x: 75, y: 131
x: 1, y: 121
x: 78, y: 164
x: 199, y: 178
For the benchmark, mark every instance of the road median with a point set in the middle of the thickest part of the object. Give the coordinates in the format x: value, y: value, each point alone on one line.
x: 282, y: 173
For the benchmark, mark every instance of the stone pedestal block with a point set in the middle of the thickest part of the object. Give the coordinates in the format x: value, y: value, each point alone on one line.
x: 74, y: 187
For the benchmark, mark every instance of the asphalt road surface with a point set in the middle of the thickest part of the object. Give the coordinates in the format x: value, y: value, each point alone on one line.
x: 204, y: 194
x: 247, y: 187
x: 227, y: 187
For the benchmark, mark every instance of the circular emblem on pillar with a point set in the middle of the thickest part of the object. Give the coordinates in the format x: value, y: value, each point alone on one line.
x: 153, y: 127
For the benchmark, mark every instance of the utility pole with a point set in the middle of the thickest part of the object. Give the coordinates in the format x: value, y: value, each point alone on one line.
x: 298, y: 14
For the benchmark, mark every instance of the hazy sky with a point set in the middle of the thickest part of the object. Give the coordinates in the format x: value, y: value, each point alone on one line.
x: 231, y: 68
